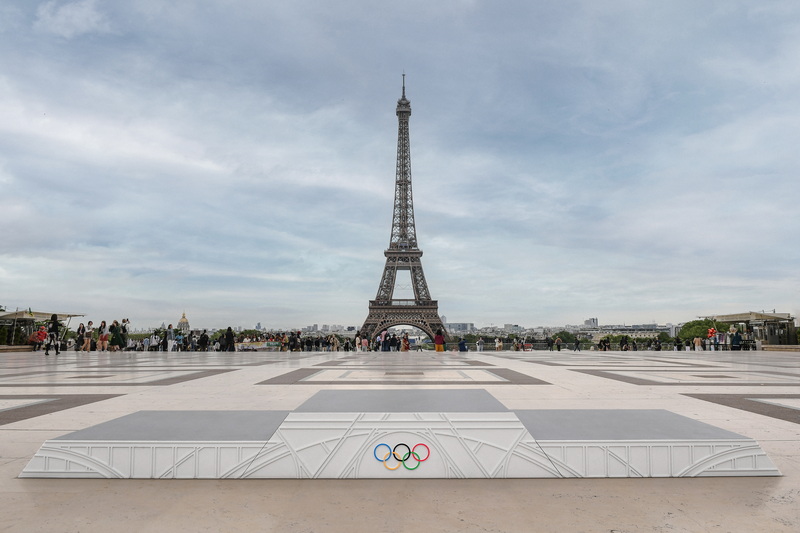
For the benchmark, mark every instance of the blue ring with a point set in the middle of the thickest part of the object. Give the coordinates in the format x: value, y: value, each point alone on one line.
x: 375, y: 452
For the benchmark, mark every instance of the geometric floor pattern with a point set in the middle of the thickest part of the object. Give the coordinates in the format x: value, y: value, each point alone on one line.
x: 750, y: 396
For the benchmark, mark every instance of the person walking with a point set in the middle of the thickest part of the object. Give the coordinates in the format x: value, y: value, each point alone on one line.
x: 52, y: 335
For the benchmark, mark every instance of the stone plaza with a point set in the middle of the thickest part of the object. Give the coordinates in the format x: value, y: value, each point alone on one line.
x: 400, y: 441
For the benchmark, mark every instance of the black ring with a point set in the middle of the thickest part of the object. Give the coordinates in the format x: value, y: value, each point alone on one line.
x: 394, y: 450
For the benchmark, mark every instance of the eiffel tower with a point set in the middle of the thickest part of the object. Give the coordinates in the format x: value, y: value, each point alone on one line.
x: 403, y: 254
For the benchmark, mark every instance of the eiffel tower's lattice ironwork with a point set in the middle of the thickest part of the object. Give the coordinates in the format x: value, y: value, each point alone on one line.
x: 403, y: 253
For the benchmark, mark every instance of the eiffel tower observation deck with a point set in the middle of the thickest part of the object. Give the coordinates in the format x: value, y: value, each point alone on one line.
x: 403, y: 253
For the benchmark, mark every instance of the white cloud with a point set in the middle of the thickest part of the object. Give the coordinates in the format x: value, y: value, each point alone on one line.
x: 621, y: 161
x: 71, y: 19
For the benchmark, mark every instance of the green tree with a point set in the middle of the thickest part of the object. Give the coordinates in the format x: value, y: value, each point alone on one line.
x: 567, y: 337
x: 699, y: 328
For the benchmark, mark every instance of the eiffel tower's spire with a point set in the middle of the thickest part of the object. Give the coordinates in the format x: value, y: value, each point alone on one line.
x: 404, y: 233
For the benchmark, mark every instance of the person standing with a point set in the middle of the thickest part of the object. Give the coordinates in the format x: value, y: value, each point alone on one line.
x: 80, y: 334
x: 170, y: 336
x: 52, y: 335
x: 384, y: 341
x: 38, y: 338
x: 698, y: 344
x: 480, y: 344
x: 736, y: 340
x: 102, y: 337
x: 117, y: 343
x: 438, y: 341
x: 229, y: 341
x: 87, y: 337
x: 124, y: 332
x: 203, y: 341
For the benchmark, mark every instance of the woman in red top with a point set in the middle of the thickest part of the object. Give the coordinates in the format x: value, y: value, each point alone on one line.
x: 438, y: 340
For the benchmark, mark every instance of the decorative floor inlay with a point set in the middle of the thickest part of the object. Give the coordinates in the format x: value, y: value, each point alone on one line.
x: 692, y: 377
x: 341, y: 375
x: 425, y: 433
x: 25, y: 406
x: 780, y: 406
x: 122, y: 378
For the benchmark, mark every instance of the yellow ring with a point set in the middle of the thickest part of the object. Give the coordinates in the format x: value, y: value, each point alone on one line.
x: 386, y: 462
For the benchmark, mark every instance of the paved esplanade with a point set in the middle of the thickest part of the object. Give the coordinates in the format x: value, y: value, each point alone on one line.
x: 663, y: 418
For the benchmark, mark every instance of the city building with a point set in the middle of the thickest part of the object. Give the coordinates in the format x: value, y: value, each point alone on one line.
x: 183, y: 325
x: 459, y: 328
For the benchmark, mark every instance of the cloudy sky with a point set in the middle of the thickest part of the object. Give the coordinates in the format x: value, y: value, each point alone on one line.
x: 631, y: 161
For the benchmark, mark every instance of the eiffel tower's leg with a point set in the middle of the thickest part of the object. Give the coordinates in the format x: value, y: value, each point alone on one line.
x: 386, y: 288
x: 418, y: 279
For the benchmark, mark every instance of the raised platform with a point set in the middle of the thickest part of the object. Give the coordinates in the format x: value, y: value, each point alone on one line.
x: 780, y: 348
x: 427, y: 433
x: 16, y: 348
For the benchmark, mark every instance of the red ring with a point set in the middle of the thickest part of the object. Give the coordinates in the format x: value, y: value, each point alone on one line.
x: 426, y: 448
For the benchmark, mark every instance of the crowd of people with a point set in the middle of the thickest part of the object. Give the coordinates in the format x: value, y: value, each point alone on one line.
x: 115, y: 336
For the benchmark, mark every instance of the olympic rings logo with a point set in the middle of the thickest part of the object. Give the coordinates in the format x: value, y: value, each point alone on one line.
x: 409, y: 455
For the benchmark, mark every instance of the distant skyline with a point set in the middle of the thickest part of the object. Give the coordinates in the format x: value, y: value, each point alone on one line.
x: 631, y: 162
x: 334, y: 326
